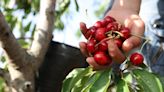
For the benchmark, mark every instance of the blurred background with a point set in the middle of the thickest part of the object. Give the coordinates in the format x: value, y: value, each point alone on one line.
x: 21, y: 16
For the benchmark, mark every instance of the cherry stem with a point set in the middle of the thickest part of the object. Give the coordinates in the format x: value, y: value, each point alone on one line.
x: 106, y: 39
x: 140, y: 36
x: 143, y: 45
x: 146, y: 41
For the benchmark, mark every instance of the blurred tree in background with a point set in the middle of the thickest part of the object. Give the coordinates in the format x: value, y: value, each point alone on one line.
x: 26, y: 28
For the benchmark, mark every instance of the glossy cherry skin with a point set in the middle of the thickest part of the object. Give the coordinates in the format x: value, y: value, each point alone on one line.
x: 100, y: 34
x: 136, y: 58
x: 102, y: 58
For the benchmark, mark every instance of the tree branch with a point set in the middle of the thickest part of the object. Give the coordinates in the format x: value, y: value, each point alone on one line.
x: 43, y: 33
x: 19, y: 66
x: 8, y: 42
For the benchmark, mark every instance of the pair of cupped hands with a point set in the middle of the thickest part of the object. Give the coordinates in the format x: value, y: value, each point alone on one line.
x: 136, y: 26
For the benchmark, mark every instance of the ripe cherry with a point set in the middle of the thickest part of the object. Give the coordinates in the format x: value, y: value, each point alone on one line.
x: 109, y: 19
x: 118, y: 42
x: 98, y: 24
x: 103, y: 46
x: 100, y: 34
x: 91, y: 45
x: 104, y: 23
x: 125, y: 33
x: 136, y: 58
x: 102, y: 58
x: 112, y: 26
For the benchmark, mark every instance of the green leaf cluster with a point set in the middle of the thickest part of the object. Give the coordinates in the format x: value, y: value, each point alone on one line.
x: 87, y: 80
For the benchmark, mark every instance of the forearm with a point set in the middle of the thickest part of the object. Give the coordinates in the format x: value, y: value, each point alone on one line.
x: 130, y: 5
x: 122, y: 9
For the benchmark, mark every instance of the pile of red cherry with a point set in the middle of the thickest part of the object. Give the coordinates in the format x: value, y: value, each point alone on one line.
x: 102, y: 31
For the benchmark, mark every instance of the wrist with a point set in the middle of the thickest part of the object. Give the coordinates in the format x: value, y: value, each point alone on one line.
x: 121, y: 15
x: 122, y: 9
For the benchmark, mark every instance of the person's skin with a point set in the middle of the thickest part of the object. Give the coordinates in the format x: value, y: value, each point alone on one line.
x: 125, y: 12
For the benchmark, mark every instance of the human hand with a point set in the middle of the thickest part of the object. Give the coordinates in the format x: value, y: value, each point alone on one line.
x: 128, y: 19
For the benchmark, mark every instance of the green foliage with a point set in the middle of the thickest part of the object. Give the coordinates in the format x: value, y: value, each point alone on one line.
x: 87, y: 80
x: 1, y: 84
x: 122, y: 86
x: 74, y: 79
x: 20, y: 15
x: 23, y: 43
x: 77, y: 6
x: 78, y: 33
x: 100, y: 11
x: 148, y: 81
x: 135, y: 80
x: 62, y: 6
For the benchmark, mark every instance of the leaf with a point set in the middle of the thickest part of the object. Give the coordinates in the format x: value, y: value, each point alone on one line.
x: 66, y: 84
x: 90, y: 82
x: 128, y: 77
x: 2, y: 81
x: 13, y: 22
x: 102, y: 83
x: 63, y: 7
x: 78, y: 33
x: 23, y: 43
x: 2, y: 58
x: 148, y: 81
x: 74, y: 77
x: 161, y: 78
x: 26, y: 29
x: 59, y: 24
x: 122, y: 86
x: 144, y: 66
x: 77, y: 6
x: 33, y: 30
x: 80, y: 85
x: 35, y: 5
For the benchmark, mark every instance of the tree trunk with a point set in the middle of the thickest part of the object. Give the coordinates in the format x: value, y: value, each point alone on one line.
x: 23, y: 64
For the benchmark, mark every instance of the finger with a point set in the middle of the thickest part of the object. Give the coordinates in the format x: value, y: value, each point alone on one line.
x: 83, y: 48
x: 115, y: 53
x: 131, y: 43
x: 96, y: 66
x: 83, y: 28
x: 136, y: 26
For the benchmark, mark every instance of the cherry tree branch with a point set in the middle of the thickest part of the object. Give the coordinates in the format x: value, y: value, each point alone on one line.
x: 8, y: 42
x: 43, y: 33
x: 17, y: 58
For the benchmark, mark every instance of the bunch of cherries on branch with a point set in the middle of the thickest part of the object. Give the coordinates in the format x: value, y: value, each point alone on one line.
x: 102, y: 31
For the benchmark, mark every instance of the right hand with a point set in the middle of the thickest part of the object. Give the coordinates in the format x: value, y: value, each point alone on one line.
x: 129, y: 19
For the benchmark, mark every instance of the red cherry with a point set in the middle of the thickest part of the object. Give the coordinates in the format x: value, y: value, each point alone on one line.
x: 125, y: 33
x: 104, y: 23
x: 103, y: 46
x: 118, y: 42
x: 109, y: 19
x: 91, y: 45
x: 98, y: 24
x: 100, y: 34
x: 112, y: 26
x: 102, y: 58
x: 136, y: 58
